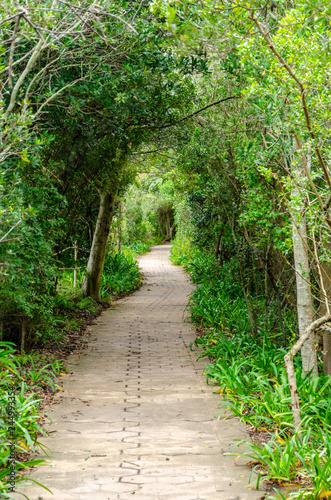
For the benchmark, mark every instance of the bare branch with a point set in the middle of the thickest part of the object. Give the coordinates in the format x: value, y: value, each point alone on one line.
x: 100, y: 12
x: 11, y: 54
x: 35, y: 54
x: 195, y: 113
x: 151, y: 152
x: 52, y: 97
x: 33, y: 27
x: 10, y: 230
x: 290, y: 367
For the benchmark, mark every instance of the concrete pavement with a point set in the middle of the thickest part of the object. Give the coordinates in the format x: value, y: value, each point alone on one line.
x: 135, y: 417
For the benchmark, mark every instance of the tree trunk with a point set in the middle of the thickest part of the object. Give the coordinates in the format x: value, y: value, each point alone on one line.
x: 250, y: 315
x: 301, y: 264
x: 23, y: 335
x: 326, y: 282
x: 218, y: 251
x: 279, y: 298
x: 119, y: 228
x: 171, y: 230
x: 75, y: 260
x: 168, y: 226
x: 327, y: 351
x: 94, y: 269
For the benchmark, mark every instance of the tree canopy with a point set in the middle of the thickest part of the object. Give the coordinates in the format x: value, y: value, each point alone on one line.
x: 206, y: 123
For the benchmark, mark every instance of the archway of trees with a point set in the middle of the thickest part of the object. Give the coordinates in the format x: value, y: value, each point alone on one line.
x: 207, y: 124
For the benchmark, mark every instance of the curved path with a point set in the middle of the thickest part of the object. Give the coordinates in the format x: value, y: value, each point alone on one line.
x: 135, y: 417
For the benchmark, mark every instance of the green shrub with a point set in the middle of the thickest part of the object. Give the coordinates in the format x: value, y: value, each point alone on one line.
x: 120, y: 276
x: 181, y: 252
x: 138, y: 247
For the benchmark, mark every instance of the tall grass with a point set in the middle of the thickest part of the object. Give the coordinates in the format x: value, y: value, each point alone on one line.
x: 121, y: 275
x: 27, y: 417
x: 250, y: 375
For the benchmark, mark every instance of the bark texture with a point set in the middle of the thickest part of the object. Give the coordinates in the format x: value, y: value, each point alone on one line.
x: 304, y: 300
x: 326, y: 281
x: 23, y: 335
x: 327, y: 351
x: 301, y: 263
x: 94, y: 269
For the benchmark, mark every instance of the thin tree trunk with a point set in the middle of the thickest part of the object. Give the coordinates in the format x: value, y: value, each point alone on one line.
x: 280, y: 302
x: 218, y: 247
x: 75, y: 269
x: 23, y: 335
x: 326, y: 284
x: 247, y: 301
x: 168, y: 226
x: 301, y: 264
x: 119, y: 229
x: 279, y: 299
x: 94, y: 269
x: 327, y: 352
x: 290, y: 365
x: 171, y: 230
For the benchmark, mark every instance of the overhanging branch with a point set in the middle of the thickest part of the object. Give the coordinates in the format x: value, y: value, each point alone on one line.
x: 196, y: 112
x: 209, y: 106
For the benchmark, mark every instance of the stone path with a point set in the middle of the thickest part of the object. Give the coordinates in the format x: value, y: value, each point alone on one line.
x: 135, y: 417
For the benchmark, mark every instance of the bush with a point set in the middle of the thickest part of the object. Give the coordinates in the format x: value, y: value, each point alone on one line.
x: 120, y: 276
x: 181, y: 252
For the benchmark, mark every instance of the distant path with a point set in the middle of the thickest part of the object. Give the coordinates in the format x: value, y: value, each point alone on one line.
x: 135, y: 417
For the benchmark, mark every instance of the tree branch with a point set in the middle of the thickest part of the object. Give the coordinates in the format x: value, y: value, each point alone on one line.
x: 209, y: 106
x: 34, y: 56
x: 290, y: 367
x: 10, y: 230
x: 11, y: 54
x: 52, y: 97
x: 196, y: 112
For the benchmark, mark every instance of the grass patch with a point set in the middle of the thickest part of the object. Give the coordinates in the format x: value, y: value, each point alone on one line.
x: 249, y: 373
x: 121, y: 275
x: 17, y: 378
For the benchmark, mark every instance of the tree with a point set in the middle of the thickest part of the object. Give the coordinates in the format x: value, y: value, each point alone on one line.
x: 38, y: 42
x: 58, y: 69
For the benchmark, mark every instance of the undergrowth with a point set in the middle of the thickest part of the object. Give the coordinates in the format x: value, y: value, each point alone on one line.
x: 120, y: 277
x: 250, y: 375
x: 18, y: 380
x: 139, y: 247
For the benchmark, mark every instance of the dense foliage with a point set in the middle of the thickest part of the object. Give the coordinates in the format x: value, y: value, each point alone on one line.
x: 128, y: 124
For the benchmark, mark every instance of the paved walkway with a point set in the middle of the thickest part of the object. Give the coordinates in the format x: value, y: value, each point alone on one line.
x: 135, y: 417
